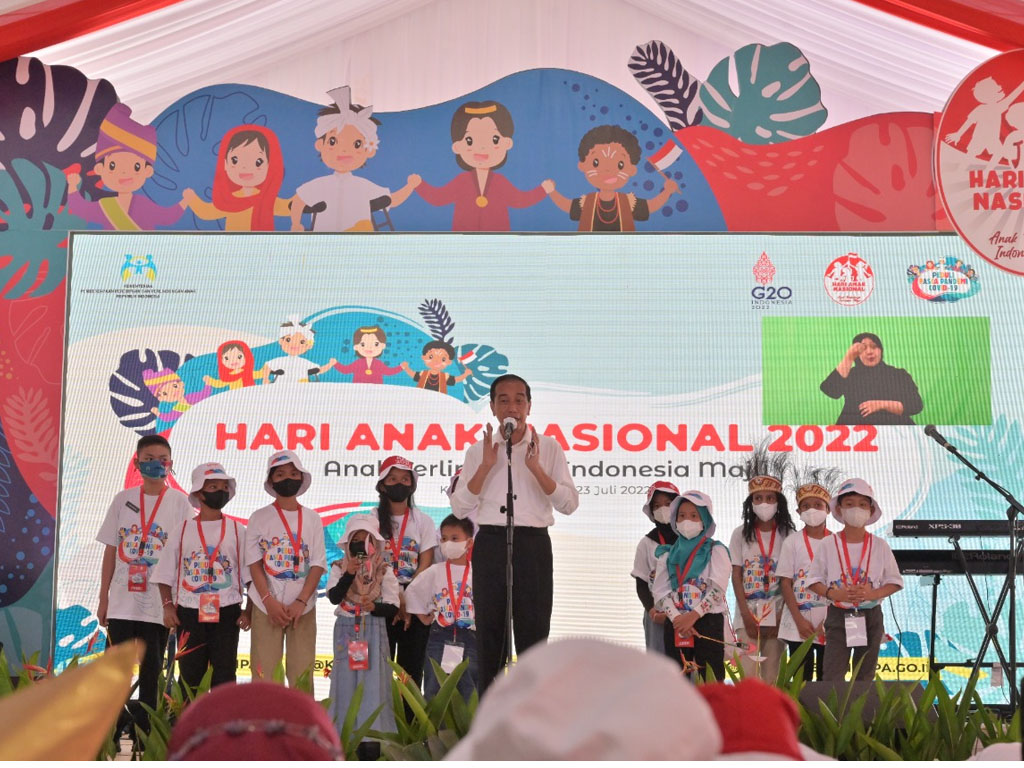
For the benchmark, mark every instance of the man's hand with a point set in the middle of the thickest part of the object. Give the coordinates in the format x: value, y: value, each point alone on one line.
x: 533, y: 452
x: 489, y: 457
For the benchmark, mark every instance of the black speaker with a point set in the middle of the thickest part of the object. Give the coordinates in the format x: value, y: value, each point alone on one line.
x: 811, y: 693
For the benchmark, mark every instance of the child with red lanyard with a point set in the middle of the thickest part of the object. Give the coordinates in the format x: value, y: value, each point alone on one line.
x: 364, y: 588
x: 690, y: 586
x: 284, y: 550
x: 755, y: 548
x: 135, y: 531
x: 410, y: 539
x: 659, y: 496
x: 855, y: 571
x: 203, y: 564
x: 804, y: 612
x: 442, y: 598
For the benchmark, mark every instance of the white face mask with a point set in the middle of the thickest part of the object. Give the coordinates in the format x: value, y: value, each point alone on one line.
x: 813, y: 517
x: 662, y: 515
x: 690, y: 529
x: 765, y: 512
x: 453, y: 550
x: 855, y: 517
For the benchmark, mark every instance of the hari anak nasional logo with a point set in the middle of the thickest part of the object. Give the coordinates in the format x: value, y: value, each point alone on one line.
x: 946, y: 279
x: 138, y: 269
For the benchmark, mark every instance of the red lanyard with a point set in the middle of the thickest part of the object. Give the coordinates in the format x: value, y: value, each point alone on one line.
x: 396, y: 547
x: 861, y: 573
x: 457, y: 606
x: 765, y: 557
x: 807, y: 543
x: 681, y: 575
x: 359, y: 610
x: 661, y: 538
x: 216, y: 551
x: 295, y: 540
x: 142, y: 516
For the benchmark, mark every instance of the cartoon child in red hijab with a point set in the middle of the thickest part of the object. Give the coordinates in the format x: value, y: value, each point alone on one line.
x: 235, y: 367
x: 481, y: 139
x: 245, y: 183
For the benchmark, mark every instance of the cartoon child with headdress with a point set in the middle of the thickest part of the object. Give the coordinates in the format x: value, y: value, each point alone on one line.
x: 437, y: 356
x: 346, y: 137
x: 609, y: 155
x: 481, y: 134
x: 169, y: 391
x: 245, y: 182
x: 369, y: 343
x: 295, y: 338
x: 235, y: 367
x: 125, y: 153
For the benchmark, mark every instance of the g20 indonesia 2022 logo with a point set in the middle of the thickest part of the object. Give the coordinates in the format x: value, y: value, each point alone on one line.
x: 947, y: 279
x: 767, y: 295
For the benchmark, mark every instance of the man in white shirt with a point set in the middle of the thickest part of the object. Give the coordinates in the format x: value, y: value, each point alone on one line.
x: 542, y: 483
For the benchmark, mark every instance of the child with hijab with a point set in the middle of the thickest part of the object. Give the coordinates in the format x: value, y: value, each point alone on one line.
x: 364, y: 589
x: 690, y: 586
x: 659, y: 497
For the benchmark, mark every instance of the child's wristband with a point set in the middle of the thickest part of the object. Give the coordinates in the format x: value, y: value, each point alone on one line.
x: 168, y: 602
x: 301, y: 601
x: 265, y: 597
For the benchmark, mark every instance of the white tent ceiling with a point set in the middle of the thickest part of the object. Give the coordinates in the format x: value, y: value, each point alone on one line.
x: 402, y: 54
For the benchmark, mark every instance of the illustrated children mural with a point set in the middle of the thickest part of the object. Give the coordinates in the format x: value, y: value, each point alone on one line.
x: 245, y: 182
x: 125, y: 153
x: 986, y: 119
x: 295, y: 338
x: 235, y: 367
x: 609, y: 156
x: 481, y: 139
x: 169, y: 390
x: 437, y: 356
x: 346, y: 137
x: 369, y: 344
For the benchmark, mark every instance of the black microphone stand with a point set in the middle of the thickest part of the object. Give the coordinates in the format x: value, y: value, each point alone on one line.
x: 509, y: 512
x: 1009, y: 586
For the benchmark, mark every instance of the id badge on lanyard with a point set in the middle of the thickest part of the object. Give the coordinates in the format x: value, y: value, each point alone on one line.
x: 358, y: 650
x: 209, y: 607
x: 138, y: 577
x: 856, y: 630
x: 683, y: 642
x: 452, y: 655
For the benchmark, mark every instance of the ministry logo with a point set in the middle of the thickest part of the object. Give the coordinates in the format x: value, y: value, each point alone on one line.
x: 138, y: 269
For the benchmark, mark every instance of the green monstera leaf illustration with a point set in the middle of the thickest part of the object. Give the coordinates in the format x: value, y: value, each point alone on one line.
x: 763, y: 94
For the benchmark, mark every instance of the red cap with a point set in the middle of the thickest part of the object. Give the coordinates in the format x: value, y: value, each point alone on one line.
x: 772, y: 731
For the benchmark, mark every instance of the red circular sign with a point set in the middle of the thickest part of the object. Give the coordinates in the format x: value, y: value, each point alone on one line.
x: 979, y: 160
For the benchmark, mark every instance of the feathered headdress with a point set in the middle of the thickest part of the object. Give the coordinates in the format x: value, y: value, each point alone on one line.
x: 815, y: 482
x: 765, y: 469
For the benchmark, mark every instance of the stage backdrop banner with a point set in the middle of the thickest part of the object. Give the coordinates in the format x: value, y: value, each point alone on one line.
x: 651, y: 357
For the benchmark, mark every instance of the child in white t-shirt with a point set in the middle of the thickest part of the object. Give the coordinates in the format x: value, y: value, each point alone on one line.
x: 803, y: 615
x: 284, y: 550
x: 202, y: 581
x: 855, y: 571
x: 410, y: 540
x: 660, y: 495
x: 755, y: 548
x: 363, y: 587
x: 135, y: 532
x: 442, y: 598
x: 690, y: 586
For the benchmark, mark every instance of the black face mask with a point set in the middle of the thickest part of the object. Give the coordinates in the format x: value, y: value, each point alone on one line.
x: 398, y: 492
x: 287, y: 487
x: 215, y: 499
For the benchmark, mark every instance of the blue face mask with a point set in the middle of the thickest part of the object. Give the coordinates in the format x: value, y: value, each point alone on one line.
x: 153, y: 469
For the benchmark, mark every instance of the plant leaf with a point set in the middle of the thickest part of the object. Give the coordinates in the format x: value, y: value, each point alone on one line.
x: 656, y: 67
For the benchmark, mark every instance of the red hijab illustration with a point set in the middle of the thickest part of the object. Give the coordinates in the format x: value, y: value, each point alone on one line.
x: 225, y: 188
x: 232, y: 350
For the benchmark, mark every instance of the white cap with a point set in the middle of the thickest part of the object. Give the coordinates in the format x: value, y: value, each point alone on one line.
x: 280, y: 458
x: 855, y: 485
x: 211, y: 470
x: 360, y: 522
x: 585, y: 699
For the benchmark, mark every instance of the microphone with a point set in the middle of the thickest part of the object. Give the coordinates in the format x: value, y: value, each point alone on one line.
x: 934, y: 434
x: 508, y: 426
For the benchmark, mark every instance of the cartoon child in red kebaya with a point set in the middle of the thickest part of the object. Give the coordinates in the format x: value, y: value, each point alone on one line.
x: 481, y: 139
x: 609, y: 155
x: 437, y: 356
x: 369, y: 343
x: 245, y: 183
x: 235, y: 367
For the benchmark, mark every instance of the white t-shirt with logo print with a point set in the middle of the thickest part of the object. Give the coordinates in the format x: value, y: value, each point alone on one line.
x: 185, y: 566
x: 122, y: 529
x: 420, y: 535
x: 763, y: 595
x: 429, y: 595
x: 267, y: 541
x: 795, y: 563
